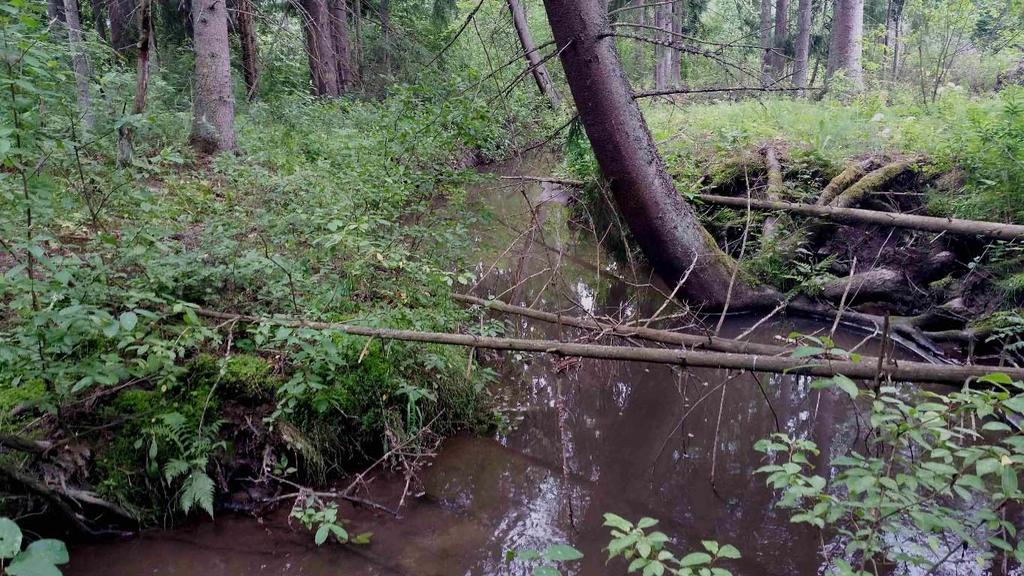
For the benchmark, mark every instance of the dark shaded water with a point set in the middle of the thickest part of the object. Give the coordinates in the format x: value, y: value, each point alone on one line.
x: 586, y: 438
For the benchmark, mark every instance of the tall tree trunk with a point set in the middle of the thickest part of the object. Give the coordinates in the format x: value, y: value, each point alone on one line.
x: 99, y: 19
x: 357, y: 49
x: 73, y: 23
x: 247, y: 42
x: 766, y: 41
x: 803, y: 44
x: 323, y: 69
x: 781, y: 34
x: 895, y: 25
x: 121, y: 14
x: 675, y: 56
x: 342, y: 45
x: 55, y: 14
x: 533, y: 59
x: 385, y: 33
x: 844, y: 50
x: 662, y: 54
x: 213, y: 105
x: 126, y: 133
x: 664, y: 225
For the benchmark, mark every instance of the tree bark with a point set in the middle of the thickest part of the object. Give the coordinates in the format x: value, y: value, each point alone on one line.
x: 99, y: 19
x: 323, y: 68
x: 844, y: 53
x: 533, y: 59
x: 249, y: 47
x: 55, y: 14
x: 662, y: 53
x: 120, y: 14
x: 126, y: 133
x: 779, y: 43
x: 213, y: 106
x: 676, y: 55
x: 663, y: 224
x: 342, y: 46
x: 766, y: 41
x: 73, y: 23
x: 803, y: 44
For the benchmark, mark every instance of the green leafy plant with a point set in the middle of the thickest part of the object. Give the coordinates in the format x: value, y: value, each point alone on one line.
x: 322, y: 519
x: 545, y: 562
x: 935, y: 471
x: 40, y: 558
x: 648, y: 555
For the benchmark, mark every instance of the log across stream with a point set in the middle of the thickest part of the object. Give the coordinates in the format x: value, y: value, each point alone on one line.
x: 583, y: 437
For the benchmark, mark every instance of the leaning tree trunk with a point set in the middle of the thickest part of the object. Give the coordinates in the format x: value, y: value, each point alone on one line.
x: 213, y: 106
x: 78, y: 59
x: 340, y: 40
x: 766, y: 41
x: 249, y: 48
x: 663, y: 224
x: 844, y: 50
x: 323, y: 68
x: 779, y: 42
x: 803, y: 44
x: 533, y: 59
x: 126, y: 133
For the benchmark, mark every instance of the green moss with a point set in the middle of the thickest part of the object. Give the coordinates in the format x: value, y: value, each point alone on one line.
x: 241, y: 377
x: 25, y: 393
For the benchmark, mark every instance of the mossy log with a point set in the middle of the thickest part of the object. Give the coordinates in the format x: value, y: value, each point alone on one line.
x: 873, y: 181
x: 845, y: 179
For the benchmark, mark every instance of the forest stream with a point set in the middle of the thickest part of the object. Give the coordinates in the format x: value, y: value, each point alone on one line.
x: 584, y: 438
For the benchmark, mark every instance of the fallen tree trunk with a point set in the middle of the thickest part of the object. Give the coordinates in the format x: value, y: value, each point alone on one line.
x: 774, y: 192
x: 910, y: 371
x: 651, y: 334
x: 860, y: 216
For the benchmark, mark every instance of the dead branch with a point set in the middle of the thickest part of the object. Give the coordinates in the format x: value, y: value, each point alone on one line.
x: 957, y: 226
x: 908, y: 371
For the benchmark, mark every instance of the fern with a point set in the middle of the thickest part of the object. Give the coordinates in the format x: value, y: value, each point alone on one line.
x: 197, y: 491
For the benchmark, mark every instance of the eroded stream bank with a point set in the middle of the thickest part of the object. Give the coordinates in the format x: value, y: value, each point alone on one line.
x: 584, y: 438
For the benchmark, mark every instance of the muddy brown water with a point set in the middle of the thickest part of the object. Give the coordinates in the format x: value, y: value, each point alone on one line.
x: 585, y: 438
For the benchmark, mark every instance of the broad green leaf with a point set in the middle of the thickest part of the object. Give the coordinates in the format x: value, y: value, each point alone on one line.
x: 10, y: 538
x: 562, y: 553
x: 729, y: 551
x: 695, y: 559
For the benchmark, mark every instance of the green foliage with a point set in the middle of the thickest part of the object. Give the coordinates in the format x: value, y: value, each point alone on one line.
x: 937, y: 469
x: 40, y: 558
x: 322, y: 519
x: 648, y: 555
x: 547, y: 561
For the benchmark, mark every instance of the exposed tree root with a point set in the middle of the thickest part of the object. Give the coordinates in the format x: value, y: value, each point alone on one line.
x: 888, y: 281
